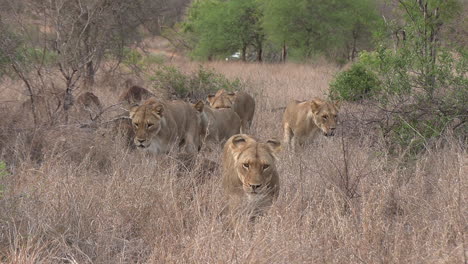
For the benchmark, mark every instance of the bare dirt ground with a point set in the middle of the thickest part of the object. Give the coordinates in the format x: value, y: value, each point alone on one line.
x: 74, y: 195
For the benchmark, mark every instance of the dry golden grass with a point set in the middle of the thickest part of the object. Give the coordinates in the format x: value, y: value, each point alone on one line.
x: 75, y: 196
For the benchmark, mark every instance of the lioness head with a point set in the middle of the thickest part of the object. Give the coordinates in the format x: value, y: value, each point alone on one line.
x: 147, y: 120
x: 221, y: 99
x: 254, y: 162
x: 200, y: 106
x: 325, y: 115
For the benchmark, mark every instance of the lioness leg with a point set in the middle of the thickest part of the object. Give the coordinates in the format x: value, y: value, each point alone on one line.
x: 288, y: 135
x: 191, y: 145
x: 244, y: 129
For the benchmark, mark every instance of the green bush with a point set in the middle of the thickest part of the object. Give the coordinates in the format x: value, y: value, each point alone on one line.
x: 3, y: 173
x: 354, y: 84
x: 195, y: 85
x: 133, y: 59
x: 423, y: 81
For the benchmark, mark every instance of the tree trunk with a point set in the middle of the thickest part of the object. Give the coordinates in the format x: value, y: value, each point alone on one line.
x: 354, y: 49
x: 90, y: 73
x: 259, y: 53
x: 244, y: 51
x: 284, y: 53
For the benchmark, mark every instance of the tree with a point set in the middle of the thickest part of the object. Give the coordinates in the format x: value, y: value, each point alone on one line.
x: 422, y: 81
x: 220, y: 28
x: 335, y: 28
x: 72, y: 37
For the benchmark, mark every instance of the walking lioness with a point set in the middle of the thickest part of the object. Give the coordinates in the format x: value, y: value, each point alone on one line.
x: 303, y: 120
x: 160, y: 124
x: 249, y: 171
x: 241, y: 102
x: 217, y: 125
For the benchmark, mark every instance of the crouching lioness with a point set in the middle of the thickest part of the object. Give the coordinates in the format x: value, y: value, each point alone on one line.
x: 217, y: 125
x: 158, y: 125
x: 241, y: 102
x: 304, y: 120
x: 249, y: 172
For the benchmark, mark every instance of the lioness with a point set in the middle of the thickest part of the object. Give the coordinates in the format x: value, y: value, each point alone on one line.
x: 249, y: 171
x: 217, y: 125
x: 159, y: 124
x: 302, y: 120
x: 135, y: 94
x: 241, y: 102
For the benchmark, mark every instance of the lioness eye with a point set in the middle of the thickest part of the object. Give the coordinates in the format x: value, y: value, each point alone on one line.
x: 325, y: 117
x: 136, y: 125
x: 266, y: 166
x: 150, y: 125
x: 245, y: 165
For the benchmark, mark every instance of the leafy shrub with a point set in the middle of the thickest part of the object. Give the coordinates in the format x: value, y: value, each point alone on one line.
x: 423, y: 81
x: 196, y: 85
x: 354, y: 84
x: 3, y: 173
x: 133, y: 59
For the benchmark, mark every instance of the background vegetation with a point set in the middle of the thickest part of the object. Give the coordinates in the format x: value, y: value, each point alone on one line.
x: 390, y: 187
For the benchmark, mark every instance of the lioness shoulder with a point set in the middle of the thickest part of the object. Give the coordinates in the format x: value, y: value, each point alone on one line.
x: 160, y: 124
x: 249, y: 170
x: 241, y: 102
x: 303, y: 120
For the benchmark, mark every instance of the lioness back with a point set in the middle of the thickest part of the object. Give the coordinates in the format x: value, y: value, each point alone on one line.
x: 217, y: 125
x: 159, y: 125
x: 304, y: 120
x: 135, y: 94
x: 241, y: 102
x: 249, y: 170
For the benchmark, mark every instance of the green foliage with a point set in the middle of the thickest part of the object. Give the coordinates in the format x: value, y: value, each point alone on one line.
x: 132, y: 58
x: 3, y: 173
x: 196, y: 85
x: 354, y: 84
x: 423, y: 83
x: 413, y: 133
x: 15, y: 53
x: 335, y: 28
x: 218, y: 29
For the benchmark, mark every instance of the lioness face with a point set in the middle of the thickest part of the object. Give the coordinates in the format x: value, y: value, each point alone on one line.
x: 325, y: 116
x: 222, y: 99
x: 146, y: 120
x: 255, y: 164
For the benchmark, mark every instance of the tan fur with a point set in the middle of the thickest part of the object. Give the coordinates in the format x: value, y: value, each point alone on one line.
x: 249, y: 171
x: 135, y: 94
x: 303, y: 120
x: 88, y: 103
x: 89, y: 99
x: 217, y: 125
x: 158, y: 125
x: 241, y: 102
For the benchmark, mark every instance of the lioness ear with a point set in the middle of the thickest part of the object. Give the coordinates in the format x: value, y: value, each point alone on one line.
x: 274, y: 145
x: 315, y: 105
x: 220, y: 92
x: 238, y: 141
x: 231, y: 97
x: 210, y: 98
x: 157, y: 109
x: 199, y: 106
x: 337, y: 104
x: 133, y: 110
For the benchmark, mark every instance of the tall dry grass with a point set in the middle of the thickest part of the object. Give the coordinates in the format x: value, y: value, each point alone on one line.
x: 76, y: 195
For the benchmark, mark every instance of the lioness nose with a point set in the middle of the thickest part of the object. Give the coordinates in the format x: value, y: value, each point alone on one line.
x: 255, y: 186
x: 140, y: 140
